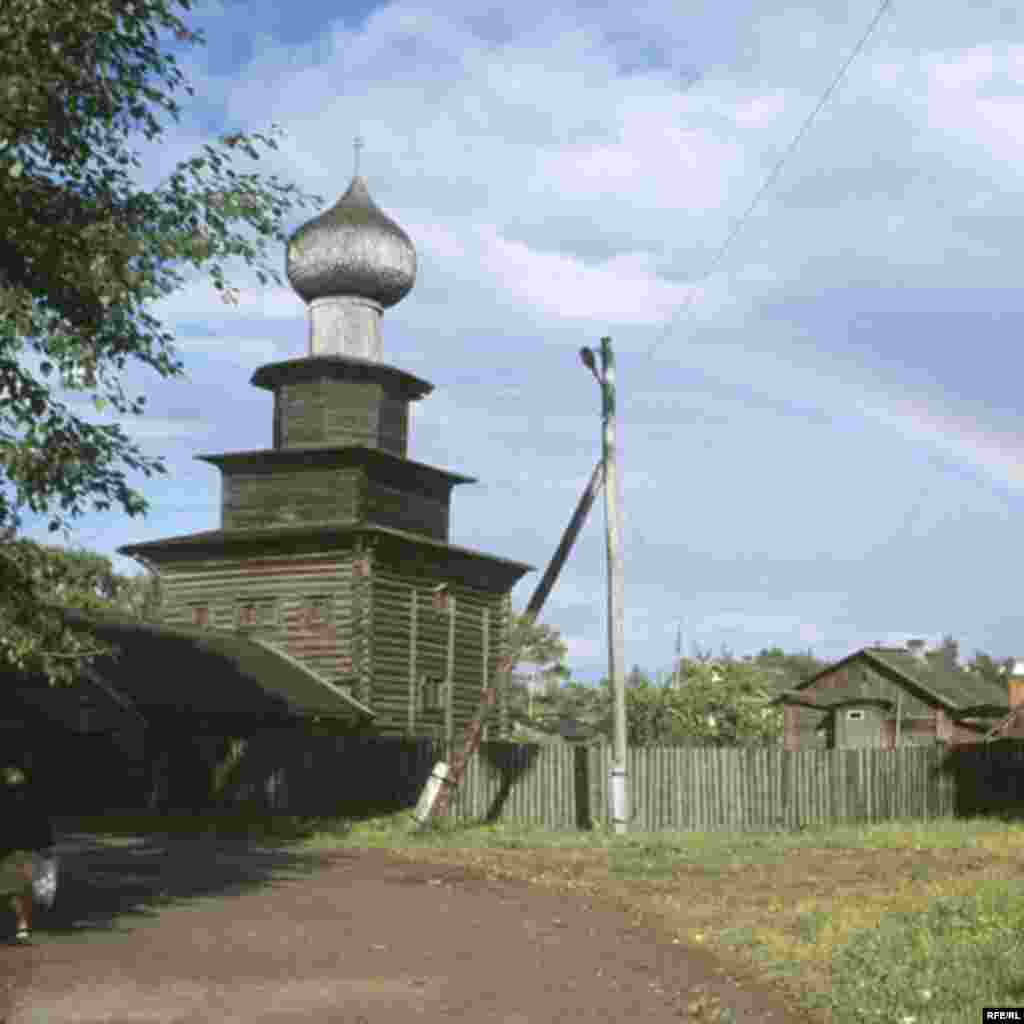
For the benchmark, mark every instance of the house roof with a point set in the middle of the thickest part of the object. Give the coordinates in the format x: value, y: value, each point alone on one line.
x: 954, y: 689
x: 160, y: 668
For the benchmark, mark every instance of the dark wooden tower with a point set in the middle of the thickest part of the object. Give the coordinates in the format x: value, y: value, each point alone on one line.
x: 334, y: 545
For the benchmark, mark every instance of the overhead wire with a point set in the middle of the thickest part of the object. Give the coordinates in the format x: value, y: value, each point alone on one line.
x: 773, y: 177
x: 777, y: 170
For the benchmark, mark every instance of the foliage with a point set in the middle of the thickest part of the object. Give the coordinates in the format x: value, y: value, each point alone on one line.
x: 726, y: 704
x: 82, y: 251
x: 63, y: 578
x: 987, y: 667
x: 539, y: 645
x: 795, y: 668
x: 947, y: 655
x: 719, y: 703
x: 542, y: 647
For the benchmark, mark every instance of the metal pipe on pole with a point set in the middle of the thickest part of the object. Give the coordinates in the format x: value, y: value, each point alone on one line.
x: 618, y: 781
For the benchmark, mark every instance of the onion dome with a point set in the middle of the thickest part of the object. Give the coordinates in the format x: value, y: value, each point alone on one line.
x: 352, y: 249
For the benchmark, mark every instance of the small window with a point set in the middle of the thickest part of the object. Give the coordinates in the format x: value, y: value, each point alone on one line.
x: 253, y: 613
x: 854, y: 716
x: 200, y: 615
x: 316, y: 612
x: 432, y: 693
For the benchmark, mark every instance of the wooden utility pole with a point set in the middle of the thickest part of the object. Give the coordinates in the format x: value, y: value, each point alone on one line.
x: 677, y: 671
x: 452, y: 774
x: 618, y: 782
x: 899, y: 716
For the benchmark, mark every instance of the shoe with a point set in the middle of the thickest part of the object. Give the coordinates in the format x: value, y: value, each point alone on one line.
x: 23, y: 938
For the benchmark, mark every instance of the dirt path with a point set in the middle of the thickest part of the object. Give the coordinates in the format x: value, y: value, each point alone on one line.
x: 196, y: 931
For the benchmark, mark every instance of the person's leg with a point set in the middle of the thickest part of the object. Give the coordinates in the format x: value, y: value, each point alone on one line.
x: 23, y: 912
x: 21, y: 901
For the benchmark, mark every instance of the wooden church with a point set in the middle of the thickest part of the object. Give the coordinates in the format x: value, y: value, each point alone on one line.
x: 333, y: 548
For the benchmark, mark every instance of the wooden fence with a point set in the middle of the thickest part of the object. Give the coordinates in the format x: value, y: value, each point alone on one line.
x: 700, y: 789
x: 716, y: 789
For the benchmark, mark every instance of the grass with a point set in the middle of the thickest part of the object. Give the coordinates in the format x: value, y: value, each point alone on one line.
x: 901, y: 923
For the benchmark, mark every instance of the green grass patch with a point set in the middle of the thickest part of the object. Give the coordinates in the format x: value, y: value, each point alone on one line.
x: 940, y: 965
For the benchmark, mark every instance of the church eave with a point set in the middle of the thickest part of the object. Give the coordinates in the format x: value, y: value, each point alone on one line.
x: 408, y: 385
x: 320, y: 533
x: 266, y: 458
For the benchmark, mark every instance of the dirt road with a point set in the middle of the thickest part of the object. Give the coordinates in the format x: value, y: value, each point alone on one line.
x: 196, y: 931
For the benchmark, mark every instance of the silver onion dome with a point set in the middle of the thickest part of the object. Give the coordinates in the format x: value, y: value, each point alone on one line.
x: 352, y: 249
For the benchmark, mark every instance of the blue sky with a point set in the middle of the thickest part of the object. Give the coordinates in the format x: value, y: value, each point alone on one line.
x: 824, y: 448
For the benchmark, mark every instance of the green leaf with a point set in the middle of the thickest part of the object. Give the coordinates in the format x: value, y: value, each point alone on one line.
x: 16, y: 168
x: 100, y: 403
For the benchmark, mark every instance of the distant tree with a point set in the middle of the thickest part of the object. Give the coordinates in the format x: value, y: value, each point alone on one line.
x: 539, y: 644
x: 946, y: 655
x: 636, y: 678
x: 799, y: 665
x: 726, y: 705
x: 542, y: 650
x: 722, y: 703
x: 991, y: 669
x: 650, y: 716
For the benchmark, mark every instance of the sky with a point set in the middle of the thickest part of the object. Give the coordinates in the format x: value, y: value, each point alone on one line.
x: 821, y: 443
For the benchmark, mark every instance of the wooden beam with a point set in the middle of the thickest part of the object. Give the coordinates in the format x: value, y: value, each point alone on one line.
x: 414, y: 695
x: 485, y: 625
x: 449, y: 675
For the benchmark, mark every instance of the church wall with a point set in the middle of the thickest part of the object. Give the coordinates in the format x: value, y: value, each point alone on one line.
x: 352, y: 412
x: 285, y: 498
x: 392, y: 506
x: 394, y: 426
x: 421, y: 640
x: 320, y: 412
x: 304, y: 605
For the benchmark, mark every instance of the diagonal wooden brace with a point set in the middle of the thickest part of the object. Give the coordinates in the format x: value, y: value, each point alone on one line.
x: 489, y: 694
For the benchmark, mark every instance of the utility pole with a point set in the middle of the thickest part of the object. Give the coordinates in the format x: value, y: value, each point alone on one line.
x: 618, y: 783
x: 678, y: 670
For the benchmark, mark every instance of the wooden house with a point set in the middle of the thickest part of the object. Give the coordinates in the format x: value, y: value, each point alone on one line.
x: 333, y: 551
x: 893, y: 696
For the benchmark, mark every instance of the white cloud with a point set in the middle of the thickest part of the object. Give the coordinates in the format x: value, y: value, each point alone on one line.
x: 622, y: 289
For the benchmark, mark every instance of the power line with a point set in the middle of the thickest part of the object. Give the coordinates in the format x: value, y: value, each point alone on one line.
x: 719, y: 256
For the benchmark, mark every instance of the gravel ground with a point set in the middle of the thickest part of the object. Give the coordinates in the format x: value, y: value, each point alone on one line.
x: 197, y: 930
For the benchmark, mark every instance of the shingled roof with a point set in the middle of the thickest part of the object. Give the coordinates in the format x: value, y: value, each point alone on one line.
x: 206, y: 672
x: 952, y: 688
